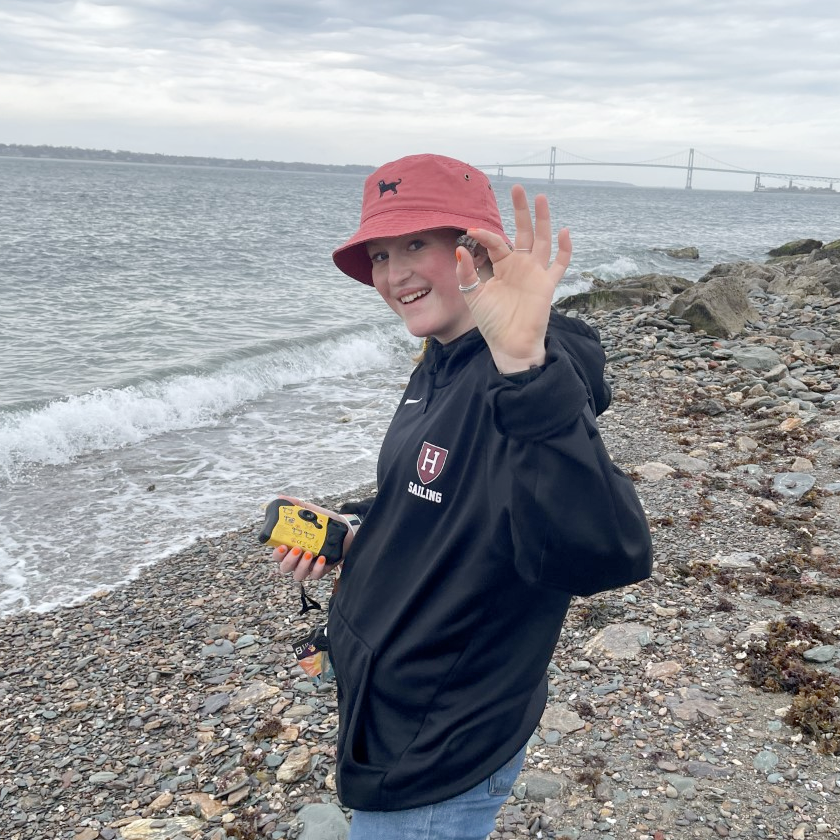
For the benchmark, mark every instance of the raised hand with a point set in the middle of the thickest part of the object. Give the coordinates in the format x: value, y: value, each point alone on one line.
x: 511, y: 308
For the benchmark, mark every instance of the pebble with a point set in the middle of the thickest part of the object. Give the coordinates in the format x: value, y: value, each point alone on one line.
x: 792, y: 485
x: 765, y: 761
x: 323, y: 822
x: 821, y: 653
x: 221, y: 647
x: 296, y: 765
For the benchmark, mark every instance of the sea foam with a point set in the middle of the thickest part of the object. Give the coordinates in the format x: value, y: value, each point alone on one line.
x: 618, y: 268
x: 110, y: 418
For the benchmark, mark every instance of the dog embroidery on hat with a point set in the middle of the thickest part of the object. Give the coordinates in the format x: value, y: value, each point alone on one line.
x: 384, y: 187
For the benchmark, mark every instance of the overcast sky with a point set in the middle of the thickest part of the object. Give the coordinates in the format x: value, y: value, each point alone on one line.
x: 755, y: 83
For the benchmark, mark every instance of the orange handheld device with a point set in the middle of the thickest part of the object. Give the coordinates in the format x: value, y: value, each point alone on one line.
x: 289, y: 524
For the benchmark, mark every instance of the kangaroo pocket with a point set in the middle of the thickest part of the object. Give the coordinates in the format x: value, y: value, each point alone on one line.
x: 358, y: 781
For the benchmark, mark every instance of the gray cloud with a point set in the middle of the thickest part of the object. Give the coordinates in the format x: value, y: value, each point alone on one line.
x: 487, y: 75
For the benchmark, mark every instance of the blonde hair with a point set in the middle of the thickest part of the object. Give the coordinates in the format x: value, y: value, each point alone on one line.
x: 419, y: 357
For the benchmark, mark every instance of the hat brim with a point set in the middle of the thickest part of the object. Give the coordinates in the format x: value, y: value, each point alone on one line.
x: 352, y: 257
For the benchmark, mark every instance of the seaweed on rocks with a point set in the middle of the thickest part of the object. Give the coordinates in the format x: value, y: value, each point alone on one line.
x: 778, y: 665
x: 592, y: 773
x: 269, y: 729
x: 251, y: 760
x: 811, y: 498
x: 816, y: 711
x: 786, y: 441
x: 783, y: 590
x: 763, y: 518
x: 584, y: 708
x: 795, y: 629
x: 597, y: 614
x: 246, y: 826
x: 790, y: 576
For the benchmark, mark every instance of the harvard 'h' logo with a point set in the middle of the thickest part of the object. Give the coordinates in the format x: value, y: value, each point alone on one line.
x: 430, y: 462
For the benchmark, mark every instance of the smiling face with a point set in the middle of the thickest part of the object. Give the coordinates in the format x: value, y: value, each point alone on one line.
x: 415, y: 274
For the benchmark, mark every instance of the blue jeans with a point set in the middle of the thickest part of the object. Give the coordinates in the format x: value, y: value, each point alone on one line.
x: 468, y: 816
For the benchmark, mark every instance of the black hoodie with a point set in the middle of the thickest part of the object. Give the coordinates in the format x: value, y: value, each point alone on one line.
x: 496, y: 502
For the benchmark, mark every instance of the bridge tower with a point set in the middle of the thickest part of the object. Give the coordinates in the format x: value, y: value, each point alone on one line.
x: 690, y: 170
x: 757, y: 187
x: 552, y: 164
x: 500, y: 172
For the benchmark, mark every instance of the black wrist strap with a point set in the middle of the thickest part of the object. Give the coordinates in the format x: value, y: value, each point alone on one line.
x: 307, y: 603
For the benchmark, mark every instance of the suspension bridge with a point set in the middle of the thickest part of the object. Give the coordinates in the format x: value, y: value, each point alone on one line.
x: 690, y: 161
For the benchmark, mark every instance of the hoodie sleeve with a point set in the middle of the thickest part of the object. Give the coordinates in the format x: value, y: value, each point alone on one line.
x: 576, y: 522
x: 360, y: 508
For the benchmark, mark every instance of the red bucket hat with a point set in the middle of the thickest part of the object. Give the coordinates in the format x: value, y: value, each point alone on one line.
x: 414, y: 193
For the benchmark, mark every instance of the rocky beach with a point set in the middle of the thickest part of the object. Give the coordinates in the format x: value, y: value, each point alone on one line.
x: 701, y: 703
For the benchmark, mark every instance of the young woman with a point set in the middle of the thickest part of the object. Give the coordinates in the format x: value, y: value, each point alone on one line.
x: 496, y: 503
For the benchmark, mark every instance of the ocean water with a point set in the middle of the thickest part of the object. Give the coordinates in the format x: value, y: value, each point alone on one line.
x: 176, y: 346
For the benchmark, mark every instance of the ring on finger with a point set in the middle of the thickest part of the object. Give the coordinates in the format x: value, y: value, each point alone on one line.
x: 527, y: 250
x: 472, y: 287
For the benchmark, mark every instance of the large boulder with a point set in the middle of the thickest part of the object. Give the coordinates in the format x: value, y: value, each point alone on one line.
x: 826, y: 273
x: 719, y: 306
x: 644, y: 290
x: 665, y: 285
x: 806, y: 281
x: 825, y: 254
x: 799, y: 278
x: 749, y: 274
x: 798, y: 246
x: 687, y: 253
x: 803, y: 278
x: 607, y: 299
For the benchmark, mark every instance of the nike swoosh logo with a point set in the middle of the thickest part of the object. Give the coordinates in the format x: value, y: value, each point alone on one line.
x: 411, y: 402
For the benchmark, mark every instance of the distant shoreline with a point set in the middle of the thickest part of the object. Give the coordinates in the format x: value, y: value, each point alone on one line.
x: 27, y: 152
x: 106, y: 155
